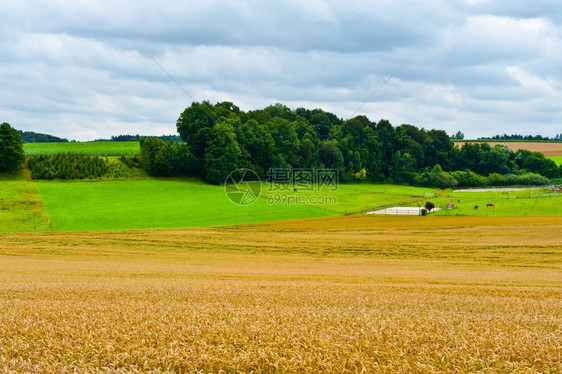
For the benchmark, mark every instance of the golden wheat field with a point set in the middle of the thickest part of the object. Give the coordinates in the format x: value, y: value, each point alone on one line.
x: 335, y: 295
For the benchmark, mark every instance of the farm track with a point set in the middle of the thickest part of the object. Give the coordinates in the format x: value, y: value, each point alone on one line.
x: 432, y: 294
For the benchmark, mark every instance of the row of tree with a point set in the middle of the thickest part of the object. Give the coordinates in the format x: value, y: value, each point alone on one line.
x: 220, y: 138
x: 136, y: 138
x: 436, y: 177
x: 556, y: 138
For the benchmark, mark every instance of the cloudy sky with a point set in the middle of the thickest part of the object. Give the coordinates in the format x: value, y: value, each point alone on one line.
x: 91, y: 69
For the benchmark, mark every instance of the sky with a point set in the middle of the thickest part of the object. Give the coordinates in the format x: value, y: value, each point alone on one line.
x: 92, y: 69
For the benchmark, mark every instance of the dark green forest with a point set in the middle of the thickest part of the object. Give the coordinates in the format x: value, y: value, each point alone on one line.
x: 220, y: 138
x: 37, y: 137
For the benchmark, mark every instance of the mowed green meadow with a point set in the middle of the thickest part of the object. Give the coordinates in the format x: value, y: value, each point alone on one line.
x: 83, y: 148
x: 352, y: 198
x: 152, y: 204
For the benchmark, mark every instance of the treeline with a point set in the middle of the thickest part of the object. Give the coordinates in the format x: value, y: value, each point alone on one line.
x: 36, y: 137
x: 556, y: 138
x: 71, y: 166
x: 130, y: 138
x: 436, y: 177
x: 220, y: 138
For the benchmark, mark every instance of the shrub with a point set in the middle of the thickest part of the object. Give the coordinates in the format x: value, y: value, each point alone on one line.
x: 496, y: 179
x: 429, y: 206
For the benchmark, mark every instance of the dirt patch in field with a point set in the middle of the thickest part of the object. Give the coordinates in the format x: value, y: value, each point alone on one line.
x: 548, y: 149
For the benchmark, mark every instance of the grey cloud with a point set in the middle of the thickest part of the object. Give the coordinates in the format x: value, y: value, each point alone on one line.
x: 85, y: 69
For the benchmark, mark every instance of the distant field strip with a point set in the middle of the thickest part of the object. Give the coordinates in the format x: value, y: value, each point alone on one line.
x: 83, y: 148
x: 549, y: 149
x: 441, y: 295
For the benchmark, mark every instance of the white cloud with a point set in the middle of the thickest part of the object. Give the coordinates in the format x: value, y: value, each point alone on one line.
x: 84, y: 69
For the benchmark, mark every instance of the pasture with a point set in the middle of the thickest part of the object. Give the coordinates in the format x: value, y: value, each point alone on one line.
x: 530, y: 202
x: 153, y: 203
x: 352, y: 198
x: 83, y: 148
x: 438, y: 294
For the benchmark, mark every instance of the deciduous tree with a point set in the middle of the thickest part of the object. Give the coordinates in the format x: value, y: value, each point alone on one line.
x: 11, y: 148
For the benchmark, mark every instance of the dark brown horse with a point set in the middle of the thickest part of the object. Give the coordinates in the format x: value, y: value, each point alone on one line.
x: 476, y: 207
x: 490, y: 205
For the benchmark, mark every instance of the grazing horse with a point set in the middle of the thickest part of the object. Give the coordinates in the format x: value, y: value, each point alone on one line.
x: 458, y: 201
x: 490, y: 205
x: 476, y: 207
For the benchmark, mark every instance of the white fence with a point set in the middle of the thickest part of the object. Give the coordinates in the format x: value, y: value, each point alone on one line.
x: 401, y: 210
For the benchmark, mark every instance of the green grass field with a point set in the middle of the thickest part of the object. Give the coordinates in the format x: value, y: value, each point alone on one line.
x: 20, y: 209
x: 352, y: 198
x: 173, y: 203
x: 508, y: 203
x: 83, y: 148
x: 154, y: 203
x: 557, y: 159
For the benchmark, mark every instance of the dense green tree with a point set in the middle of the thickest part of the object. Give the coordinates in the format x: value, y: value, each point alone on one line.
x: 322, y: 122
x: 402, y: 168
x: 257, y: 146
x: 162, y: 158
x: 307, y: 151
x: 440, y: 149
x: 535, y: 162
x: 330, y: 155
x: 194, y: 126
x: 278, y: 137
x: 287, y: 141
x: 222, y: 153
x: 11, y: 148
x: 495, y: 160
x: 386, y: 135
